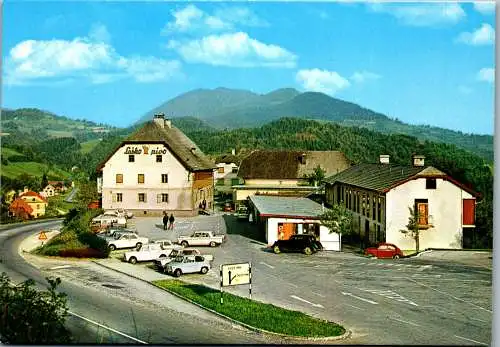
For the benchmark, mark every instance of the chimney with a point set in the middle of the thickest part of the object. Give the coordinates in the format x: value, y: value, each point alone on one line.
x: 168, y: 123
x: 302, y: 158
x: 159, y: 119
x: 384, y: 158
x: 193, y: 149
x: 233, y: 151
x: 418, y: 160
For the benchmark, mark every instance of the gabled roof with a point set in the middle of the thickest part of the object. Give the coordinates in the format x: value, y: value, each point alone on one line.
x: 174, y: 139
x: 20, y: 204
x: 33, y: 194
x: 286, y: 207
x: 384, y: 177
x: 267, y: 164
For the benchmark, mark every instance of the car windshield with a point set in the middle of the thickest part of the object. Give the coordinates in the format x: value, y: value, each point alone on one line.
x: 179, y: 259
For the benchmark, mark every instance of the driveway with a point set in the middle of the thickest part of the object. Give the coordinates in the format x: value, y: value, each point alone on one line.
x: 419, y: 300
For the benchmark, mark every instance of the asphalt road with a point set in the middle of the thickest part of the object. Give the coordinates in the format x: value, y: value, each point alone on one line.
x: 132, y: 307
x: 405, y: 301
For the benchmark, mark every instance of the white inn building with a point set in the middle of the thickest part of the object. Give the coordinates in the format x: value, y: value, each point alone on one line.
x: 156, y: 169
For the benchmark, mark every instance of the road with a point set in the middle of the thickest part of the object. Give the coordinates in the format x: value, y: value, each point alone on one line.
x: 132, y: 307
x: 71, y: 195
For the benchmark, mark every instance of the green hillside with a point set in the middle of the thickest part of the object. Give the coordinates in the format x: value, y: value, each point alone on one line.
x: 88, y: 146
x: 13, y: 170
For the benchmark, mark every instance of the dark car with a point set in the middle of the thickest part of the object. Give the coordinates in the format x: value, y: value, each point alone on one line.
x: 298, y: 243
x: 385, y: 250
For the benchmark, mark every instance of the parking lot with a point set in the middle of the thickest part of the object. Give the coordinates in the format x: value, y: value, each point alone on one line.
x: 425, y: 299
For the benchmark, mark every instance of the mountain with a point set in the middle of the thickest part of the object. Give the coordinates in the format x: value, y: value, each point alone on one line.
x: 225, y: 108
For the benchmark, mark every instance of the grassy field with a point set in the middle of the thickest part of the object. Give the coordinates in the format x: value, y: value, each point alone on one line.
x: 57, y: 203
x: 89, y: 145
x: 7, y: 152
x: 31, y: 168
x: 254, y: 313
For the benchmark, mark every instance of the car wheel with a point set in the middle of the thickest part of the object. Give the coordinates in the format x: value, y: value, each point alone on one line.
x: 204, y: 270
x: 138, y: 245
x: 307, y: 251
x: 112, y: 247
x: 276, y: 250
x: 177, y: 272
x: 213, y: 244
x: 132, y: 260
x: 184, y: 244
x: 396, y: 256
x: 162, y: 256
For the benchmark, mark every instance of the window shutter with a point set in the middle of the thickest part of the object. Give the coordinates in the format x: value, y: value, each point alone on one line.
x: 158, y: 198
x: 114, y: 197
x: 145, y: 197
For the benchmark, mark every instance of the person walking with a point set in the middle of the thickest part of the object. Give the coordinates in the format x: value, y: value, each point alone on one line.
x: 165, y: 220
x: 171, y: 220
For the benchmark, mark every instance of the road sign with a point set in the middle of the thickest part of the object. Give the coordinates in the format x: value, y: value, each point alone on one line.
x: 235, y: 274
x: 42, y: 236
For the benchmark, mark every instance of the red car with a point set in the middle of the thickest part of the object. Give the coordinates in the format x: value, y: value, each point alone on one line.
x: 385, y: 250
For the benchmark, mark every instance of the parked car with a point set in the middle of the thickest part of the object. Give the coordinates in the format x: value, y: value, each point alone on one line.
x: 167, y: 244
x: 201, y: 238
x: 385, y: 250
x: 188, y: 264
x: 160, y: 264
x: 120, y: 212
x: 128, y: 240
x: 242, y: 212
x: 111, y: 219
x: 114, y: 232
x: 148, y: 252
x: 298, y: 243
x: 227, y: 207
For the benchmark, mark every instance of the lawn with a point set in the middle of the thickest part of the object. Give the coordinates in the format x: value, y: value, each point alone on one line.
x: 254, y: 313
x: 7, y: 152
x: 89, y: 145
x: 12, y: 170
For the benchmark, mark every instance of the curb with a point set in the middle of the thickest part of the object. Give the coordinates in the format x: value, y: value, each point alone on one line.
x: 420, y: 253
x: 346, y: 335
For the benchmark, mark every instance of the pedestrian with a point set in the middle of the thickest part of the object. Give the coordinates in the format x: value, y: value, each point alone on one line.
x: 171, y: 220
x: 165, y: 221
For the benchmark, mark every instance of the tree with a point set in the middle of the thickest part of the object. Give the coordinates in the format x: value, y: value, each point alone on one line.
x: 316, y: 177
x: 338, y: 219
x: 45, y: 181
x: 412, y: 228
x: 87, y: 192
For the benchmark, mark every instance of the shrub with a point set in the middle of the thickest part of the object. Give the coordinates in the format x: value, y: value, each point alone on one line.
x: 82, y: 253
x: 30, y: 316
x: 95, y: 242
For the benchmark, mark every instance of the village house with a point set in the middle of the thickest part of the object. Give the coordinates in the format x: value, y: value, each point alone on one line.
x: 59, y: 186
x: 29, y: 204
x: 271, y: 172
x: 48, y: 191
x: 226, y: 175
x: 380, y: 195
x: 157, y: 169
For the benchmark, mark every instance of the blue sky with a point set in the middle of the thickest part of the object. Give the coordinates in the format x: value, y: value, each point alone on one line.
x: 111, y: 62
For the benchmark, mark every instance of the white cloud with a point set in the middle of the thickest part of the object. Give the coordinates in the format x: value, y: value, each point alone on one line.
x: 236, y: 50
x: 324, y: 81
x: 363, y: 76
x: 191, y: 18
x: 485, y: 7
x: 486, y: 74
x: 485, y: 35
x: 33, y: 61
x: 422, y: 14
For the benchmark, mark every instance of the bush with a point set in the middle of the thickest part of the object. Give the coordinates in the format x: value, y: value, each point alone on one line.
x: 95, y: 242
x: 82, y: 253
x: 30, y: 316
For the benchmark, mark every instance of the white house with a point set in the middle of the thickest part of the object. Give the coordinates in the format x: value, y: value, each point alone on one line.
x: 284, y: 216
x: 380, y: 195
x: 156, y: 169
x: 226, y: 173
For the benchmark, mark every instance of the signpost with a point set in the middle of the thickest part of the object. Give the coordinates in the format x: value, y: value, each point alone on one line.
x: 235, y: 274
x: 42, y: 236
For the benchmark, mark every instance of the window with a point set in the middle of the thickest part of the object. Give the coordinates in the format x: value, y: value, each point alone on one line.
x: 159, y: 158
x: 234, y: 170
x: 430, y: 183
x: 164, y: 178
x: 37, y: 206
x: 131, y: 158
x: 422, y: 208
x: 140, y: 178
x: 220, y: 170
x: 119, y: 178
x: 161, y: 198
x: 141, y: 197
x: 220, y: 182
x: 119, y: 197
x: 235, y: 181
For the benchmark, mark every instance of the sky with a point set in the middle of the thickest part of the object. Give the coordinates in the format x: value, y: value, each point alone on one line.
x: 111, y: 62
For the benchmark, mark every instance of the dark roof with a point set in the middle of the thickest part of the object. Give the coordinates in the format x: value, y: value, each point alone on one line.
x: 384, y: 177
x: 175, y: 140
x: 267, y: 164
x: 280, y: 206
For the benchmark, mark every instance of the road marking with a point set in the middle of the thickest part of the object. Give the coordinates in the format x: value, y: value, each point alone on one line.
x: 389, y: 294
x: 454, y: 297
x: 310, y: 303
x: 269, y: 266
x: 359, y: 308
x: 464, y: 338
x: 359, y: 298
x: 318, y: 294
x: 480, y: 320
x: 403, y: 321
x: 108, y: 328
x: 60, y: 267
x: 423, y: 267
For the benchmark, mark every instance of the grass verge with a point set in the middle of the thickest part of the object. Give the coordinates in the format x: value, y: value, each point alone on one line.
x: 254, y: 313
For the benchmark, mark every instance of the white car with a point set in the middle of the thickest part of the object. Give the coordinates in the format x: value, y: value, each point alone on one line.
x: 201, y: 238
x: 120, y: 212
x: 147, y: 252
x: 188, y: 264
x: 161, y: 263
x: 128, y: 240
x: 111, y: 219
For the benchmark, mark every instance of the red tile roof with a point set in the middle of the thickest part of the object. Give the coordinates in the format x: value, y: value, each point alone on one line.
x: 31, y: 193
x: 20, y: 204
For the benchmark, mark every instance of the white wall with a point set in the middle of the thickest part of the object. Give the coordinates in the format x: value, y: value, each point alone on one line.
x: 178, y: 187
x: 330, y: 242
x: 445, y: 207
x: 228, y: 170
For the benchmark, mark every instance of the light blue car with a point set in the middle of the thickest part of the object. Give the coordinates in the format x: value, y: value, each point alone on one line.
x: 185, y: 264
